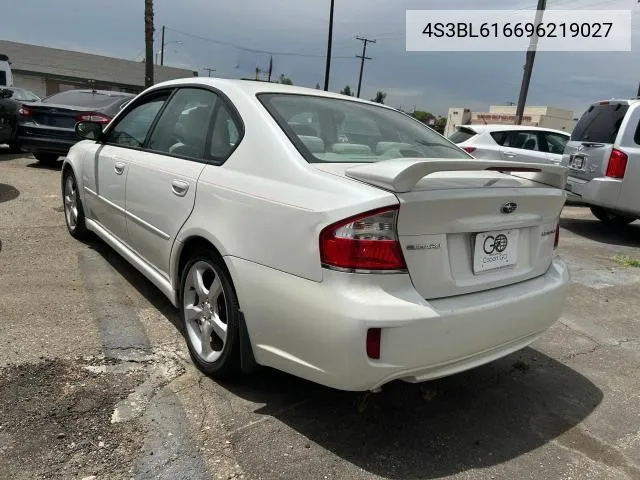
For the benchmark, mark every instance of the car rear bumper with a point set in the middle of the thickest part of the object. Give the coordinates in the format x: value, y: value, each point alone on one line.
x: 602, y: 191
x: 41, y: 140
x: 317, y: 330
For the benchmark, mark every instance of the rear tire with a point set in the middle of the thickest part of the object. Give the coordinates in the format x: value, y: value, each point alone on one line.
x: 48, y: 159
x: 14, y: 148
x: 606, y: 217
x: 210, y: 316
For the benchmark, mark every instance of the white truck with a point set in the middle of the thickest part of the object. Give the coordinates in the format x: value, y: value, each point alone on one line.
x: 6, y: 77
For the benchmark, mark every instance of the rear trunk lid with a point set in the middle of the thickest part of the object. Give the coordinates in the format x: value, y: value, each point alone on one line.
x: 59, y: 116
x: 587, y: 152
x: 464, y: 225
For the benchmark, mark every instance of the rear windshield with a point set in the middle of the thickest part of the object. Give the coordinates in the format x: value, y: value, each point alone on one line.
x: 600, y: 123
x: 334, y: 130
x: 82, y: 99
x: 462, y: 135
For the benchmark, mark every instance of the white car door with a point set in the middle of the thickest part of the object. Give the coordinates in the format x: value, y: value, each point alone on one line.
x: 161, y: 184
x: 523, y: 146
x: 555, y: 144
x: 106, y: 200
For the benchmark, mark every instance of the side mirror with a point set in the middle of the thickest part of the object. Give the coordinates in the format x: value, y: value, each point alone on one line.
x: 88, y: 130
x: 6, y: 93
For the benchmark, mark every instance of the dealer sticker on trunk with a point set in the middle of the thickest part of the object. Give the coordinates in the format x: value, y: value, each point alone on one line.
x: 495, y: 250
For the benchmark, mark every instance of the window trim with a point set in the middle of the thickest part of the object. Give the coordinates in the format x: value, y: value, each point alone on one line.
x: 299, y: 144
x: 207, y: 158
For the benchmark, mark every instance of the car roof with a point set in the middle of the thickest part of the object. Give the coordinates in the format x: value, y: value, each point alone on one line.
x: 253, y: 87
x: 479, y: 128
x: 628, y: 101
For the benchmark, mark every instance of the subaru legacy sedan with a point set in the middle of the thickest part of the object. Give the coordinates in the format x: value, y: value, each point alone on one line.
x: 332, y: 238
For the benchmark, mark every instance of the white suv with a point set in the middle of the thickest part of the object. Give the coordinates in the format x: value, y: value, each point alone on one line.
x: 603, y: 156
x: 516, y: 143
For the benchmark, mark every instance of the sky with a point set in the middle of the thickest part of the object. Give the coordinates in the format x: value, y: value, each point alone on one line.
x: 207, y: 33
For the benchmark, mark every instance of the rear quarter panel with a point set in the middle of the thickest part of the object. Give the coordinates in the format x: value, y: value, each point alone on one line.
x: 629, y: 199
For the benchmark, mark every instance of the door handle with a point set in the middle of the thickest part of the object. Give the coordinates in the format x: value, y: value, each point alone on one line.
x: 179, y: 188
x: 510, y: 154
x: 118, y: 167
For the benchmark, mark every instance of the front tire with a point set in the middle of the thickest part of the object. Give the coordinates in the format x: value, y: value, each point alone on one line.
x: 72, y: 206
x: 609, y: 218
x: 210, y: 316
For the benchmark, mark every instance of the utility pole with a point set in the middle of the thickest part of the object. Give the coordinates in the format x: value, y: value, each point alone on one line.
x: 528, y: 67
x: 148, y: 40
x: 328, y: 67
x: 162, y: 48
x: 209, y: 70
x: 638, y: 91
x: 362, y: 58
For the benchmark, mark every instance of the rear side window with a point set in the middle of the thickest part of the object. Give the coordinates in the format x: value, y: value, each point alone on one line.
x: 462, y: 135
x: 3, y: 78
x: 499, y: 137
x: 600, y: 123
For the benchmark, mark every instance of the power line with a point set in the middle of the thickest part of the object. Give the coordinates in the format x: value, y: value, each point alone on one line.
x: 362, y: 58
x: 247, y: 49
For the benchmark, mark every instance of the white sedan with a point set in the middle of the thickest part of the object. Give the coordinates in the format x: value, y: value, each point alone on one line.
x: 332, y: 238
x: 517, y: 143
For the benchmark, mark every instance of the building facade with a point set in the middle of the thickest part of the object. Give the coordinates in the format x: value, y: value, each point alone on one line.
x: 46, y: 70
x: 549, y: 117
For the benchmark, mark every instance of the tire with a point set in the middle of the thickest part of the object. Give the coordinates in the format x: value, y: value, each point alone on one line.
x: 609, y: 218
x: 14, y: 147
x: 49, y: 159
x: 206, y: 316
x: 72, y: 207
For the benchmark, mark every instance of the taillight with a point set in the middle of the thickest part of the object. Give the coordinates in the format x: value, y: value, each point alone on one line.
x: 373, y: 342
x: 617, y: 164
x: 24, y: 111
x: 365, y: 242
x: 93, y: 117
x: 557, y: 239
x: 469, y: 149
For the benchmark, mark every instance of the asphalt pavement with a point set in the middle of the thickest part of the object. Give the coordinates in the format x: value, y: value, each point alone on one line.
x: 96, y: 381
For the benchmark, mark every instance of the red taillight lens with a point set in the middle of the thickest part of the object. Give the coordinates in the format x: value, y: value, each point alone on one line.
x: 93, y: 117
x: 617, y: 164
x: 367, y: 241
x: 24, y: 111
x: 557, y: 239
x: 374, y: 336
x: 469, y: 149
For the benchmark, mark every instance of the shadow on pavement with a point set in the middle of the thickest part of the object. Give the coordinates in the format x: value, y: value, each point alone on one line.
x: 594, y: 229
x: 45, y: 166
x: 472, y: 420
x: 137, y: 280
x: 8, y: 192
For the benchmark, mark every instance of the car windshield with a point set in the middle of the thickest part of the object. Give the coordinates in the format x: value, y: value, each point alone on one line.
x: 335, y: 130
x: 24, y: 95
x: 81, y: 98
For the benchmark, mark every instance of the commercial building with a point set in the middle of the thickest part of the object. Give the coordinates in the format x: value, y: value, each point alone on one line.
x: 46, y: 70
x: 549, y: 117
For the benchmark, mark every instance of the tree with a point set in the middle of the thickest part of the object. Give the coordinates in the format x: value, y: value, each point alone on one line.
x: 424, y: 117
x: 284, y: 80
x: 441, y: 123
x: 148, y: 41
x: 317, y: 86
x: 346, y: 91
x: 380, y: 96
x: 258, y: 73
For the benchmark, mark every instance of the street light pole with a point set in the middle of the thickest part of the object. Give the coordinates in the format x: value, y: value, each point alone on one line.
x: 328, y: 67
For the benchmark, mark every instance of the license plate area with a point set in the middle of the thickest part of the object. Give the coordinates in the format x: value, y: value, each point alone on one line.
x: 576, y: 162
x: 493, y: 250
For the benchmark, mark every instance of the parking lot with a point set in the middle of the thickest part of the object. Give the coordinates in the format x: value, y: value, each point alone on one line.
x: 95, y: 378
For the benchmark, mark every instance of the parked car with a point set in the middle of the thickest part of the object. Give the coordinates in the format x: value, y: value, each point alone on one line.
x: 348, y: 264
x: 512, y: 142
x: 11, y: 99
x: 603, y: 156
x: 46, y: 128
x: 6, y: 75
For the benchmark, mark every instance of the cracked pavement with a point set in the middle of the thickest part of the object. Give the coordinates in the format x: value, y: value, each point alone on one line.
x: 95, y: 379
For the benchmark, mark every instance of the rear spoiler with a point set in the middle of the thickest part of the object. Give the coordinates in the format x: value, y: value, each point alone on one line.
x: 401, y: 174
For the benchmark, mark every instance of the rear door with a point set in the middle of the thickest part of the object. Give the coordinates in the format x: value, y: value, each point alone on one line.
x: 588, y: 151
x: 161, y: 185
x: 523, y: 146
x: 554, y: 144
